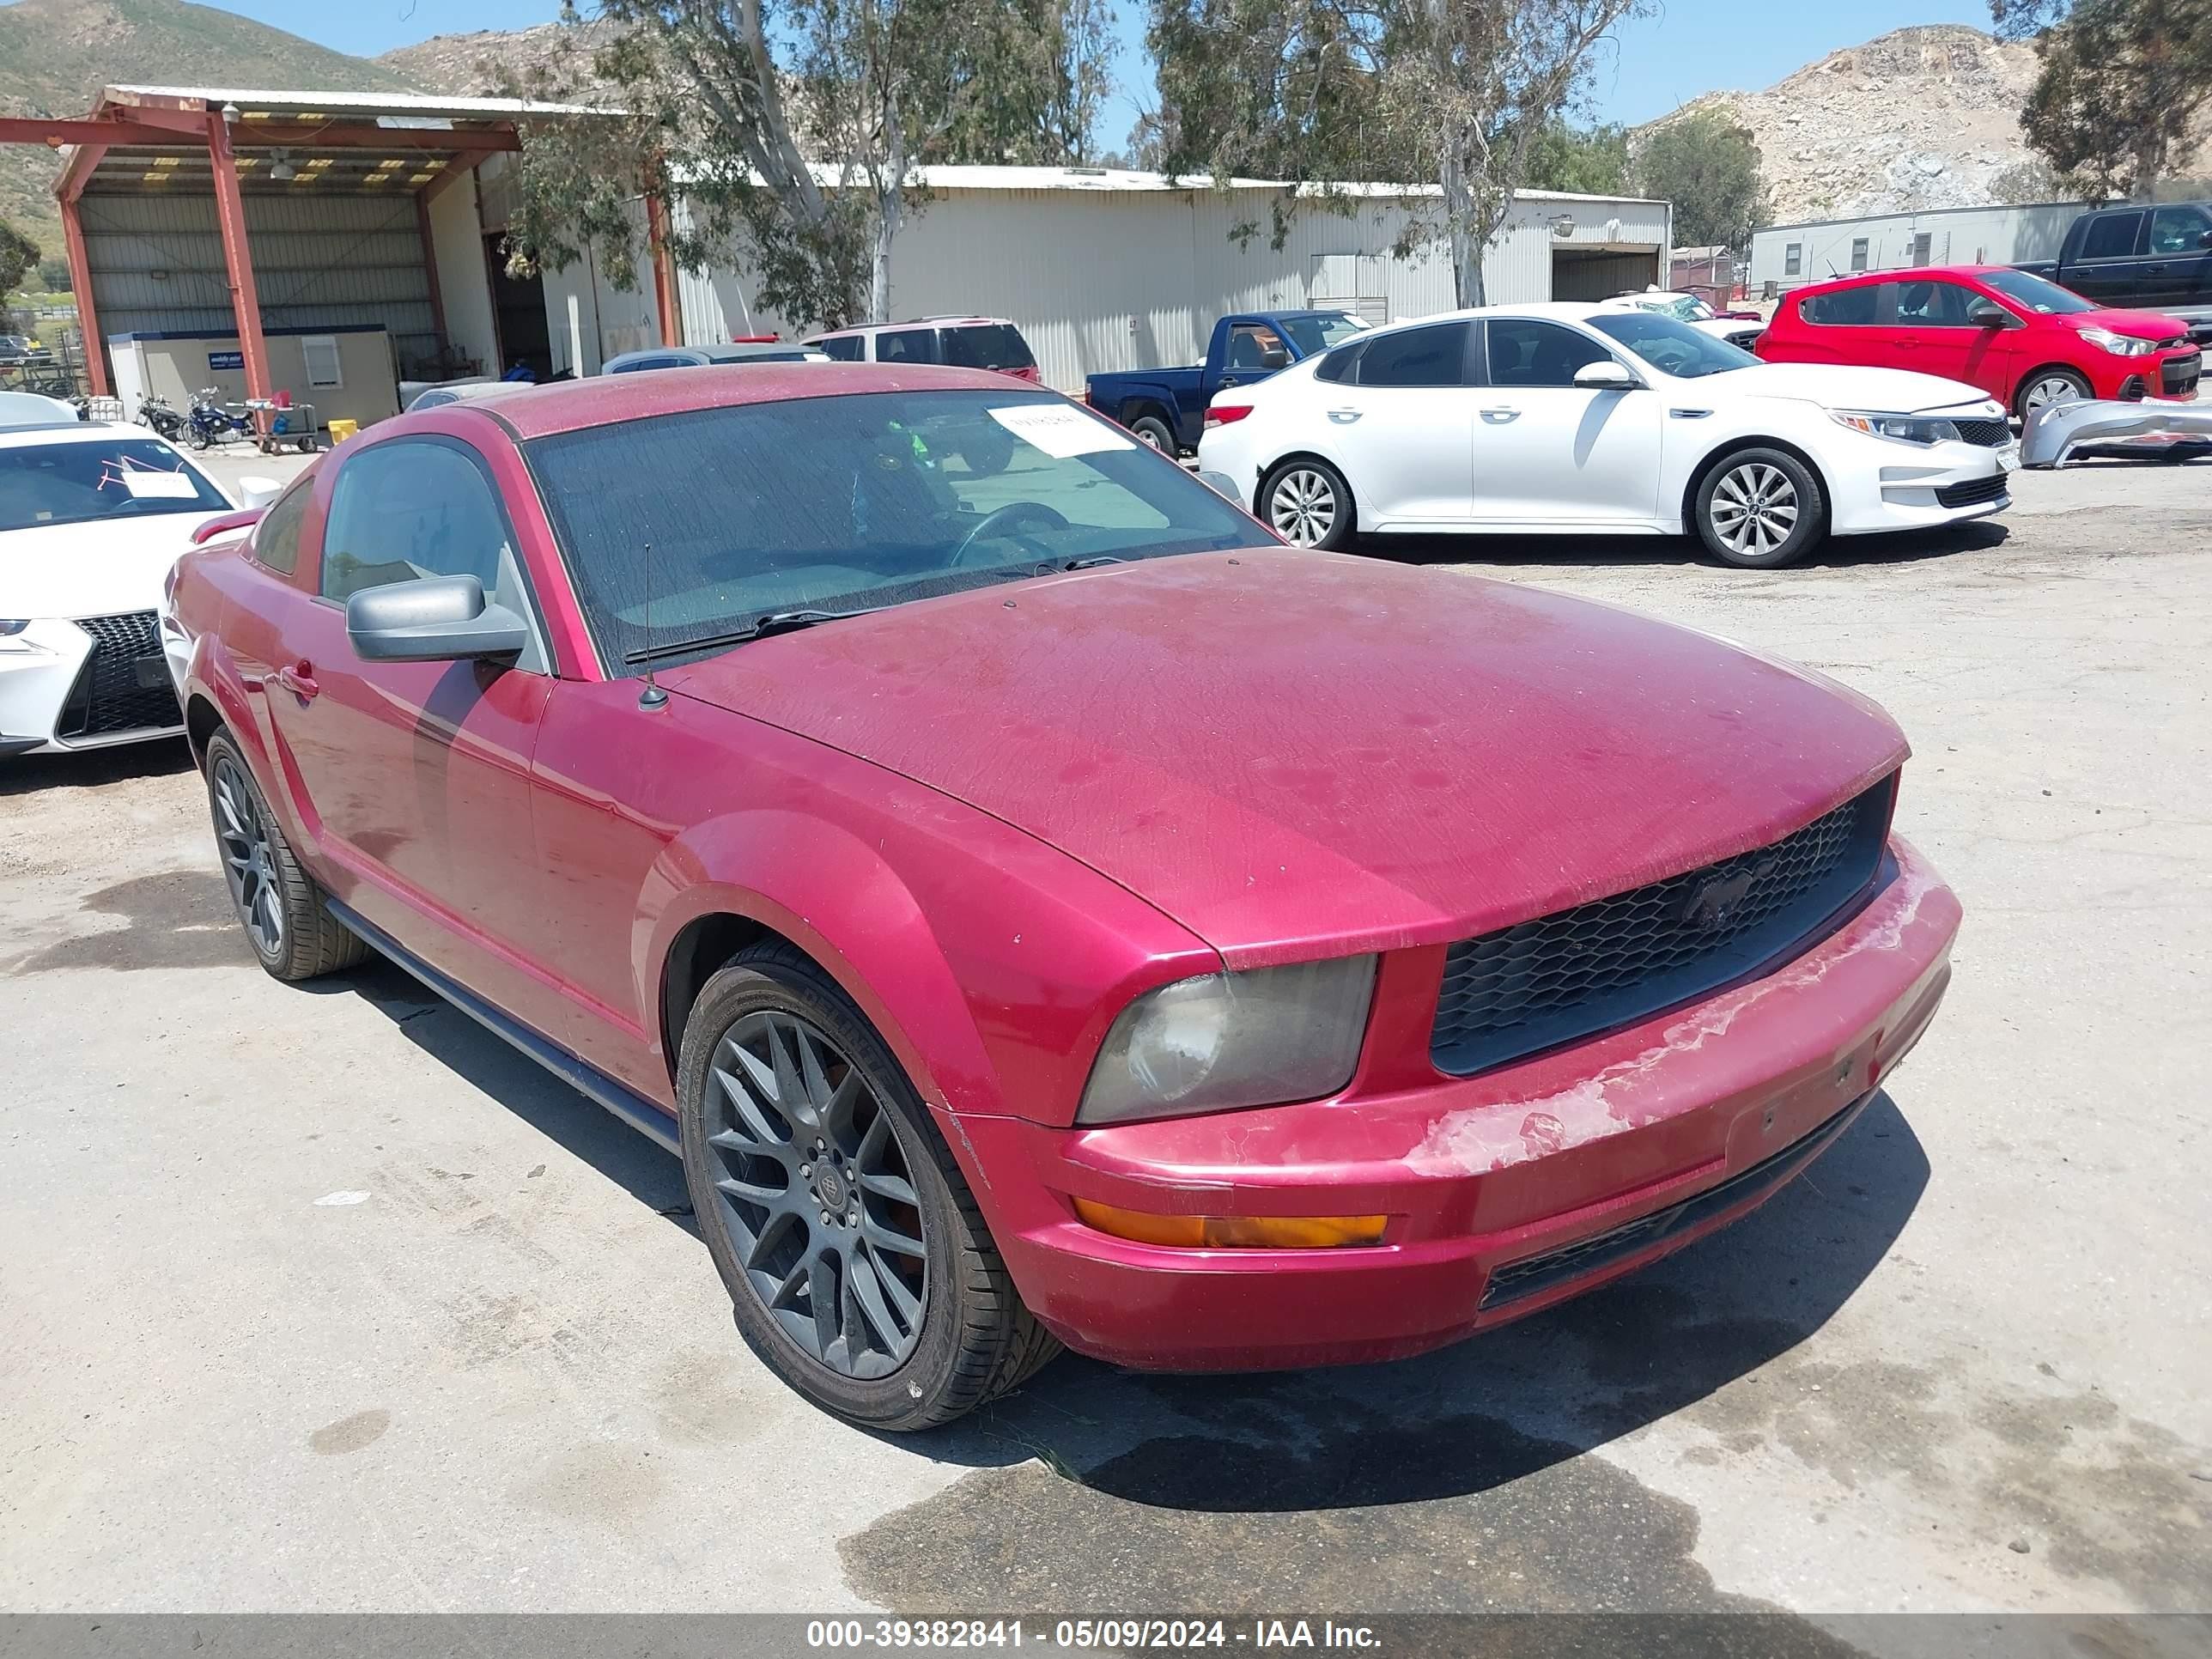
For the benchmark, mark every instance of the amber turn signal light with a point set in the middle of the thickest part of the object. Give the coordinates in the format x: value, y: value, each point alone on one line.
x: 1234, y: 1233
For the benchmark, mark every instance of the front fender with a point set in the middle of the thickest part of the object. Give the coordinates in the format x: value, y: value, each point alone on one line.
x: 839, y: 900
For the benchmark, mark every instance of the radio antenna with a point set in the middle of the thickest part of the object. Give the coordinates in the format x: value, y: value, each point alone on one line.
x: 653, y: 696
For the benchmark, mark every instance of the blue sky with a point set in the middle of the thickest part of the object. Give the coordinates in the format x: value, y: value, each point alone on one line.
x: 1686, y: 48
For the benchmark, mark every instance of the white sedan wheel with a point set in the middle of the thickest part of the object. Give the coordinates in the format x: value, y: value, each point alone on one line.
x: 1754, y: 508
x: 1303, y: 506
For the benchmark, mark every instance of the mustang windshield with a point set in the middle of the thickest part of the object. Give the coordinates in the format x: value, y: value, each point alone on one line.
x: 74, y: 483
x: 1673, y: 347
x: 682, y: 531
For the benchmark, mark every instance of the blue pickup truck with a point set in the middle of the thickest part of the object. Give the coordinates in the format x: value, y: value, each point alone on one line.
x: 1166, y: 407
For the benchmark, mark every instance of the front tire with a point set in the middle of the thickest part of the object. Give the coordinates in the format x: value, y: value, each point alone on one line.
x: 1308, y: 504
x: 277, y: 904
x: 856, y: 1260
x: 2049, y: 386
x: 1760, y: 509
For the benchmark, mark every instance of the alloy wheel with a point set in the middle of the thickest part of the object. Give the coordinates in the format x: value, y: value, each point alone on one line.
x: 816, y: 1195
x: 1148, y: 436
x: 247, y: 862
x: 2051, y: 389
x: 1303, y: 507
x: 1754, y: 508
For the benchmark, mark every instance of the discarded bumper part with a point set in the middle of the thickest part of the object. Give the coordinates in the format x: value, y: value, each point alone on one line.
x: 2057, y: 432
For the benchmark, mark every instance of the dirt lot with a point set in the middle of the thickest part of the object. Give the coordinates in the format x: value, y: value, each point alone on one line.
x: 322, y: 1299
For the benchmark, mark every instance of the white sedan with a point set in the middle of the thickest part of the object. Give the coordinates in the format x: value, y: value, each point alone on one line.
x: 1591, y: 419
x: 92, y: 516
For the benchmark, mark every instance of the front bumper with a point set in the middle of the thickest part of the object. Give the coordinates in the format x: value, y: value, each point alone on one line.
x: 1902, y: 487
x: 1505, y: 1192
x: 42, y: 672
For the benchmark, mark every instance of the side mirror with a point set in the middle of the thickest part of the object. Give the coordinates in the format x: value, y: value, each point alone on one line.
x: 2204, y: 239
x: 1274, y: 357
x: 1987, y: 313
x: 1606, y: 376
x: 257, y: 492
x: 432, y: 619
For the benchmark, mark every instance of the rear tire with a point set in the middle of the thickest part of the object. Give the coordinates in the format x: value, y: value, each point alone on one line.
x: 1760, y: 509
x: 279, y: 905
x: 776, y: 1062
x: 1308, y: 503
x: 1154, y: 432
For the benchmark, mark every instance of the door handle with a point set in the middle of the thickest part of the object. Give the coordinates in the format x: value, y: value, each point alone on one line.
x: 300, y: 681
x: 1500, y: 415
x: 1344, y: 416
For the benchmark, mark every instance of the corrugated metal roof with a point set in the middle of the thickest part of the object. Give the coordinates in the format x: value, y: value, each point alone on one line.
x: 1123, y: 180
x: 355, y: 103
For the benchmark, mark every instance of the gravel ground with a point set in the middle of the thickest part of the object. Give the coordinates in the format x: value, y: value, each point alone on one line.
x: 321, y: 1299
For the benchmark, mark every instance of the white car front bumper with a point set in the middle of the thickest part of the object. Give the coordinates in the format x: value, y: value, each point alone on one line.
x: 54, y: 696
x: 1892, y: 486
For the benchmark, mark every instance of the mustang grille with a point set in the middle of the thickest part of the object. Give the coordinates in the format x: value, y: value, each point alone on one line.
x: 1990, y: 434
x: 125, y: 683
x: 1567, y: 975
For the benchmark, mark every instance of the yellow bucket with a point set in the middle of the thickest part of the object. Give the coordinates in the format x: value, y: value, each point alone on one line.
x: 341, y: 430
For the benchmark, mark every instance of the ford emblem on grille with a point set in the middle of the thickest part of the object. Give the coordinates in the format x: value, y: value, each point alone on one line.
x: 1712, y: 905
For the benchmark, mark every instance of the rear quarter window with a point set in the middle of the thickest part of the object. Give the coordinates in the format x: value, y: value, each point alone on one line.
x: 993, y: 345
x: 1843, y: 307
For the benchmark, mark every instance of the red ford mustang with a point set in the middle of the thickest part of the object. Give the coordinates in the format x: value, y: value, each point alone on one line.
x: 1039, y: 907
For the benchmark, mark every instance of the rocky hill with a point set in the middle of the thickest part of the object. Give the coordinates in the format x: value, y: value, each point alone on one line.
x: 1921, y: 118
x: 56, y: 55
x: 488, y: 62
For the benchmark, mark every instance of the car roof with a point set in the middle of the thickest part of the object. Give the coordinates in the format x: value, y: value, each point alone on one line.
x: 911, y: 322
x: 1899, y: 274
x: 19, y: 409
x: 72, y: 430
x: 610, y: 399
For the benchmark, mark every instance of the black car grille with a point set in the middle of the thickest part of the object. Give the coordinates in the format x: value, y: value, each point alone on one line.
x: 1990, y: 434
x: 1971, y: 494
x: 2178, y: 375
x: 1567, y: 975
x: 124, y: 685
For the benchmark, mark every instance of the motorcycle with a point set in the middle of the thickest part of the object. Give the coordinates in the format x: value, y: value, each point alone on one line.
x: 155, y: 412
x: 210, y: 423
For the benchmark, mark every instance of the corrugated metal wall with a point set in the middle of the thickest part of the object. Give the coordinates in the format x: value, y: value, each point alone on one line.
x: 317, y: 260
x: 1956, y: 236
x: 1109, y: 279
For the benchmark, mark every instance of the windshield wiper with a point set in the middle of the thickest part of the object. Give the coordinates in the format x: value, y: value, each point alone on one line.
x: 773, y: 622
x: 1095, y: 560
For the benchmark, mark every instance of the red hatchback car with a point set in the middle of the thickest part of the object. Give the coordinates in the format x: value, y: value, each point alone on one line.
x: 2023, y: 340
x: 1039, y: 907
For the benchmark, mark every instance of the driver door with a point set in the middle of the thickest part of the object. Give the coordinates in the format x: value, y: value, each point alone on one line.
x: 1549, y: 452
x: 413, y: 777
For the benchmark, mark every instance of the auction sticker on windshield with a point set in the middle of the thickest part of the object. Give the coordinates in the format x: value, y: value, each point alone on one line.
x: 158, y: 486
x: 1060, y: 430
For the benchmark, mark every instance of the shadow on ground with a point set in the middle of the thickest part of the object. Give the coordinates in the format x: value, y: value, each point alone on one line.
x: 1584, y: 552
x: 89, y: 769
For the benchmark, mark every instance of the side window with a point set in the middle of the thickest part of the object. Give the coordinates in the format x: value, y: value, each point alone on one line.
x: 1841, y: 307
x: 1338, y: 365
x: 2111, y: 236
x: 907, y: 345
x: 2179, y: 229
x: 1932, y: 305
x: 1256, y: 346
x: 844, y: 348
x: 1435, y: 356
x: 636, y: 364
x: 1526, y: 352
x: 276, y: 538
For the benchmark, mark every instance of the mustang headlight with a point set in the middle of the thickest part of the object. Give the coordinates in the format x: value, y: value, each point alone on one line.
x: 1903, y: 429
x: 1257, y: 1038
x: 2120, y: 345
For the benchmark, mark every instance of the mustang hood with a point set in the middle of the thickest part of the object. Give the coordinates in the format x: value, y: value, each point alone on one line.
x: 1843, y: 385
x: 95, y: 569
x: 1280, y: 748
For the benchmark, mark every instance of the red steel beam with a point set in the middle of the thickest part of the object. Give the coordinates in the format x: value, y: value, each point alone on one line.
x: 88, y: 315
x: 665, y: 301
x: 30, y: 130
x: 238, y: 258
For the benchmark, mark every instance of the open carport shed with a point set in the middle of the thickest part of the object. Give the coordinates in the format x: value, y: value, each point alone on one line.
x: 242, y: 212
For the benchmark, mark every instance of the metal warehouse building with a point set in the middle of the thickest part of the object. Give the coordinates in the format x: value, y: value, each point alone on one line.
x: 1785, y: 256
x: 1106, y: 270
